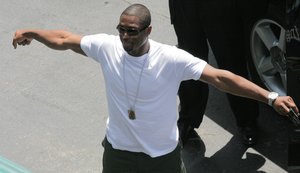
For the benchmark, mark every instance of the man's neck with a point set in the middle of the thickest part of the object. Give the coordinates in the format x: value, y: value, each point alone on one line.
x: 142, y: 50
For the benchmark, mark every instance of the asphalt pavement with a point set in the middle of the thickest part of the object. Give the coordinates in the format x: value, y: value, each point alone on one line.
x: 53, y: 106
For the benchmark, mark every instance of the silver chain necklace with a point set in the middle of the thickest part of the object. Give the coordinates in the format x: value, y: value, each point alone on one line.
x: 131, y: 110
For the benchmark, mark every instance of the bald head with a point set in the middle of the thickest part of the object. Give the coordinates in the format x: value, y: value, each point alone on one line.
x: 140, y: 11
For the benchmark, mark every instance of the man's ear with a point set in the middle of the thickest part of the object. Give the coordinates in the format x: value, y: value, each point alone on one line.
x: 148, y: 30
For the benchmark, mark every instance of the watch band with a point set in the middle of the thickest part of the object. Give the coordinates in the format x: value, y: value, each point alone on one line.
x: 272, y: 97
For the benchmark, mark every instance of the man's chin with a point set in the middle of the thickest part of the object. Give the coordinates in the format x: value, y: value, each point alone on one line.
x: 128, y: 49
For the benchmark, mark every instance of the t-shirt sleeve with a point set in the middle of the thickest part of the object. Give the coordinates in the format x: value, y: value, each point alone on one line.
x: 196, y: 68
x: 91, y: 45
x: 189, y: 66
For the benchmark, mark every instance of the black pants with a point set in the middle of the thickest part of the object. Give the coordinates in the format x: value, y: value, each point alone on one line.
x: 222, y: 24
x: 120, y: 161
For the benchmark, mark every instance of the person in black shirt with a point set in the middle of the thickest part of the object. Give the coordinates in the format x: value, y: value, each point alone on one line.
x: 222, y: 23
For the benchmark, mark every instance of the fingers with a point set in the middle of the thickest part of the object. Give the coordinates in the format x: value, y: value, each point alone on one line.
x: 22, y: 42
x: 283, y: 105
x: 282, y: 110
x: 15, y: 40
x: 19, y: 39
x: 14, y: 43
x: 292, y: 105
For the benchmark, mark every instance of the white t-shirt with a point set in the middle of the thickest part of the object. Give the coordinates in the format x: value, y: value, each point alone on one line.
x: 154, y: 131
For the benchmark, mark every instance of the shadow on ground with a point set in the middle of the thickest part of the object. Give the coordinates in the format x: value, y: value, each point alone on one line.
x: 227, y: 160
x: 233, y: 157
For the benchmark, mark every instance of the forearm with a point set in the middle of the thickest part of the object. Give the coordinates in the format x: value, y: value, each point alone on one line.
x: 239, y: 86
x: 242, y: 87
x: 52, y: 38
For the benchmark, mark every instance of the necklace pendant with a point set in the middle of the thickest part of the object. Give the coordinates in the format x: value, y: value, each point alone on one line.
x: 131, y: 114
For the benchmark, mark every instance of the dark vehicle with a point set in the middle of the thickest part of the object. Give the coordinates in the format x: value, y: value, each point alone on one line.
x: 274, y: 46
x: 275, y: 59
x: 268, y: 47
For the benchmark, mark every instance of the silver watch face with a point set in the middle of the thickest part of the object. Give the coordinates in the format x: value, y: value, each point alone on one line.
x: 273, y: 95
x: 271, y: 98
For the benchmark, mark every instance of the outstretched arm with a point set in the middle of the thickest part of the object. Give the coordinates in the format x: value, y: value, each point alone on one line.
x: 237, y: 85
x: 54, y: 39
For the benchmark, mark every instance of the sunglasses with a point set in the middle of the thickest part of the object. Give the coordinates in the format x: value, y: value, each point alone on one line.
x: 130, y: 31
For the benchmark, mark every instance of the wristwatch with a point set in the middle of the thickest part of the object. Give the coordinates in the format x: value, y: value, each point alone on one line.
x: 272, y: 97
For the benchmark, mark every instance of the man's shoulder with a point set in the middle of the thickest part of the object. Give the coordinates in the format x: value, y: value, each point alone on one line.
x: 161, y: 47
x: 100, y: 39
x: 101, y: 36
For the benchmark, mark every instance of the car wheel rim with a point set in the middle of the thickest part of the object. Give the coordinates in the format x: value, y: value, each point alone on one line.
x: 268, y: 54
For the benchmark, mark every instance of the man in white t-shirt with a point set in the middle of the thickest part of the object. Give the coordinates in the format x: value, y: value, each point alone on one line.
x: 142, y: 79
